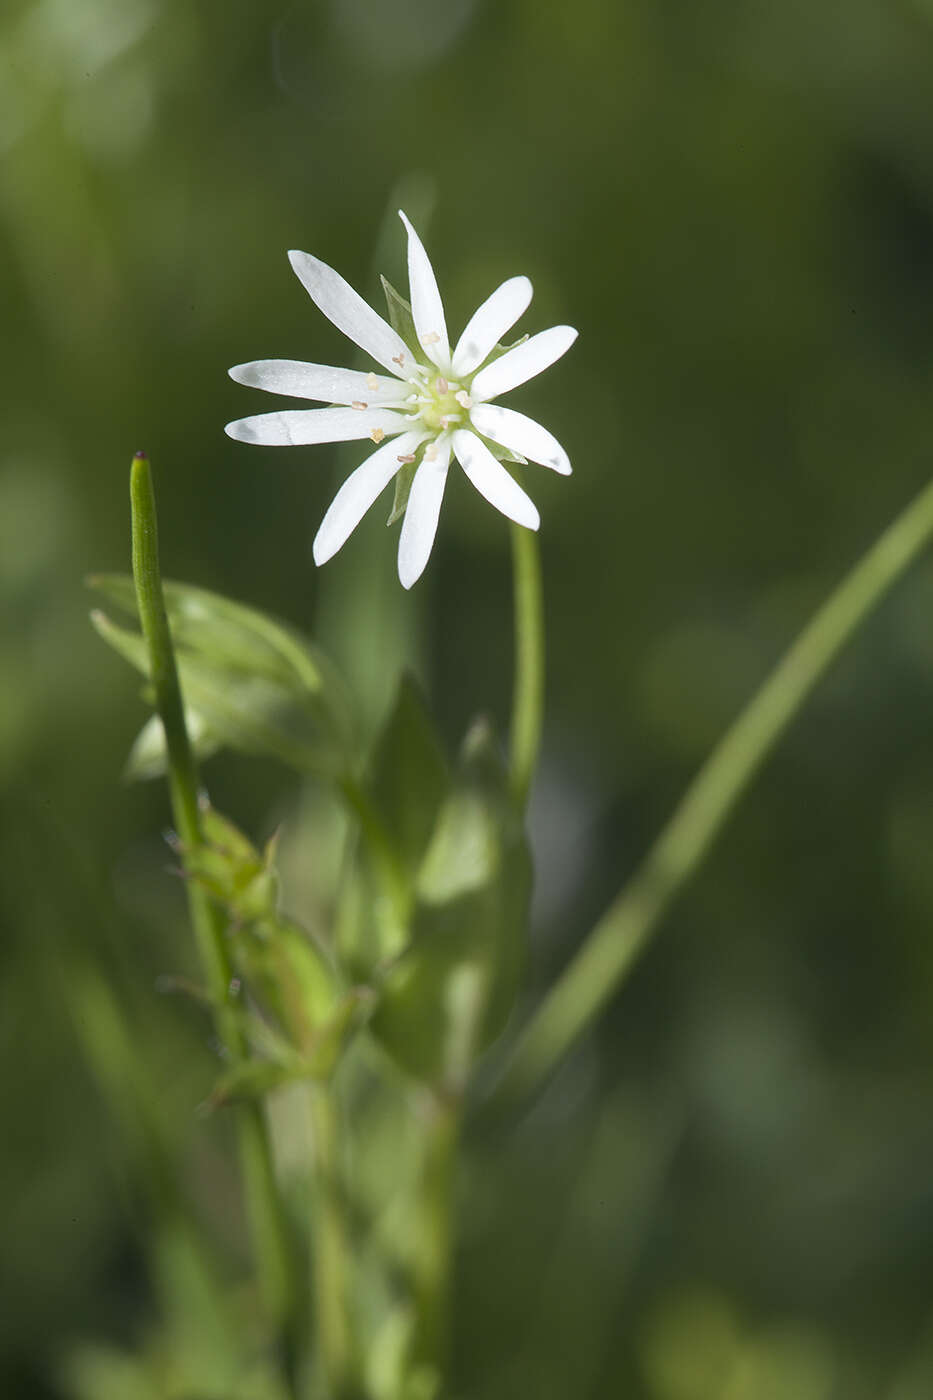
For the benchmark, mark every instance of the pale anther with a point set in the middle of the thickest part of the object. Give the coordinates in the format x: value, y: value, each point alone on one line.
x: 463, y: 398
x: 442, y: 385
x: 377, y: 434
x: 398, y: 360
x: 430, y: 452
x: 358, y: 403
x: 371, y: 381
x: 406, y: 458
x: 431, y: 338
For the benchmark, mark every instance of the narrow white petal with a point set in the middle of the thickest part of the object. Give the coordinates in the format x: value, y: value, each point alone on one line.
x: 522, y: 363
x: 489, y: 323
x: 493, y: 481
x: 350, y: 313
x: 296, y: 427
x: 520, y: 434
x: 419, y: 524
x: 303, y: 381
x: 427, y: 309
x: 358, y: 493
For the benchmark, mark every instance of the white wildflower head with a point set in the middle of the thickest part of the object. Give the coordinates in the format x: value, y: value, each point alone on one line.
x: 434, y: 404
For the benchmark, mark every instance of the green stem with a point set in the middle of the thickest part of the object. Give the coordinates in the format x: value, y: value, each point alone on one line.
x: 610, y: 950
x: 329, y: 1251
x: 263, y: 1206
x: 528, y: 689
x: 434, y: 1240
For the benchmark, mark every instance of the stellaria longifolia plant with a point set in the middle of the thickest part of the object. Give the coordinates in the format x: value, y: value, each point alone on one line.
x: 419, y: 973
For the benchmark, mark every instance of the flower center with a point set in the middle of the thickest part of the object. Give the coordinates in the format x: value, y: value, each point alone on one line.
x: 440, y: 403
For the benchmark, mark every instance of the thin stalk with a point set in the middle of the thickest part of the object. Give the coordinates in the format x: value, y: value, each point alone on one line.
x: 528, y: 687
x: 264, y: 1210
x: 434, y: 1240
x: 610, y: 950
x: 329, y: 1251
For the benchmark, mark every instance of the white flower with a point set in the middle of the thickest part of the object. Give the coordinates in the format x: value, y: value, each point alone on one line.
x: 437, y: 403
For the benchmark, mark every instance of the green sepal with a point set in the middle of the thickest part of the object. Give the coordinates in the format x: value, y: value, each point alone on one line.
x: 499, y: 349
x: 403, y: 481
x: 248, y: 682
x: 400, y: 318
x: 450, y: 993
x: 505, y: 454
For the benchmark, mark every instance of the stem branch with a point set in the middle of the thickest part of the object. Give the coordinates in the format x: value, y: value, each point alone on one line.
x: 262, y: 1200
x: 610, y: 950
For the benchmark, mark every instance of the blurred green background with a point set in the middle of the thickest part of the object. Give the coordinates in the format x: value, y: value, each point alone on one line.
x: 727, y: 1194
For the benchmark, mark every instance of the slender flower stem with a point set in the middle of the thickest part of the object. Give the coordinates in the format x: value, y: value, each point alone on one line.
x: 263, y: 1205
x: 610, y: 950
x: 528, y: 689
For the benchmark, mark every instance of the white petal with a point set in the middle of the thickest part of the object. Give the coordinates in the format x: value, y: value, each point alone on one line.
x: 427, y: 309
x: 522, y: 363
x: 321, y: 382
x: 358, y: 493
x: 350, y: 313
x: 520, y: 434
x: 296, y: 427
x: 419, y: 524
x: 489, y: 323
x: 493, y: 481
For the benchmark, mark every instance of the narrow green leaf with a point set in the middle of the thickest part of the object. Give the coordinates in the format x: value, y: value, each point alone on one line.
x: 450, y: 993
x: 406, y: 784
x: 248, y: 682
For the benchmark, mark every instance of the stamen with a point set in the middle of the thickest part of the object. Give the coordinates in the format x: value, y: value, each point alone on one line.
x: 431, y: 338
x: 406, y: 458
x: 448, y: 418
x: 430, y: 452
x: 442, y: 385
x: 377, y: 435
x: 358, y: 403
x: 398, y: 360
x: 372, y: 382
x: 463, y: 399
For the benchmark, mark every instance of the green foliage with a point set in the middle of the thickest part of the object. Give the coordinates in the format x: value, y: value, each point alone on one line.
x: 447, y: 969
x: 451, y: 991
x: 307, y: 1017
x: 248, y: 682
x: 406, y: 782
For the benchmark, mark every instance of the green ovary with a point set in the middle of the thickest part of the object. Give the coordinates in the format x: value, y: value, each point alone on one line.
x: 441, y: 404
